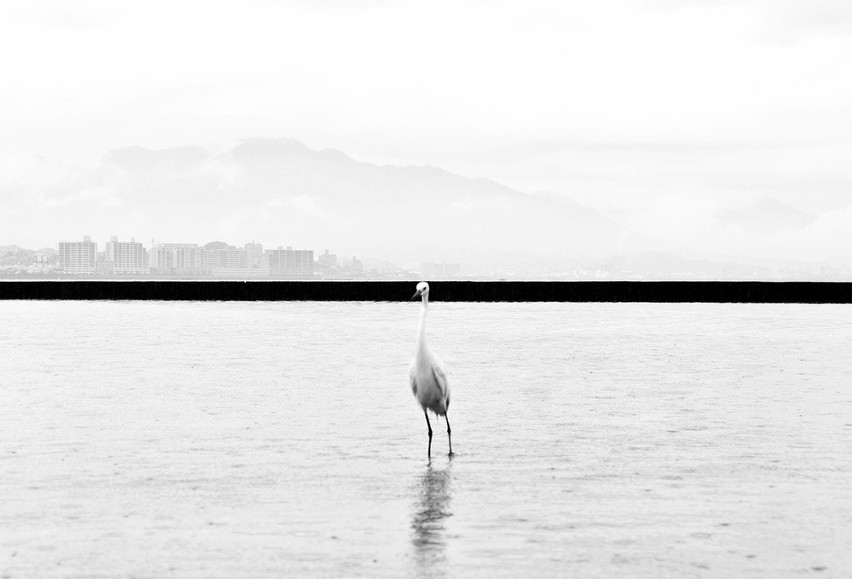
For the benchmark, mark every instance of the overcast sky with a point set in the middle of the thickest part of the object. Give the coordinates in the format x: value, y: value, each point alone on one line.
x: 618, y: 104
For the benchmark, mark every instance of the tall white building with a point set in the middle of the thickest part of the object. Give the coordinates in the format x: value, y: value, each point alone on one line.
x: 176, y: 259
x: 125, y: 256
x: 290, y: 262
x: 78, y: 256
x: 255, y: 253
x: 230, y: 259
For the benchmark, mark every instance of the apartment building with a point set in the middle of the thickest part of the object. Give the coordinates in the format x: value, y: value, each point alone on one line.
x: 290, y: 262
x: 78, y: 257
x: 125, y: 256
x: 177, y: 259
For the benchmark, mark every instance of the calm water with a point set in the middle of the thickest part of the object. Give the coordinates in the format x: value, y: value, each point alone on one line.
x: 281, y: 439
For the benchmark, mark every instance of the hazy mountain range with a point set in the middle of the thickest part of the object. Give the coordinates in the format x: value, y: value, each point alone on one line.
x: 280, y: 192
x: 765, y: 215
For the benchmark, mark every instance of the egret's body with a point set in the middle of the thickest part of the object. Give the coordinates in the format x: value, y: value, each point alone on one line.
x: 428, y: 378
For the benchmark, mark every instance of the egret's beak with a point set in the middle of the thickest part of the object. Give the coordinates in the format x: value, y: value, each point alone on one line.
x: 417, y: 293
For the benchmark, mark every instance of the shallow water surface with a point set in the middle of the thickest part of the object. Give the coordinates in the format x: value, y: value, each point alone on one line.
x: 158, y: 439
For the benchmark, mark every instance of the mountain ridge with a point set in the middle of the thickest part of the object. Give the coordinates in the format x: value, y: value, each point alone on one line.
x: 327, y: 198
x: 281, y: 192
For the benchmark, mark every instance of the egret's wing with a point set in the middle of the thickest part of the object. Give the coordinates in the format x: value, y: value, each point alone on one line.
x: 412, y: 380
x: 441, y: 378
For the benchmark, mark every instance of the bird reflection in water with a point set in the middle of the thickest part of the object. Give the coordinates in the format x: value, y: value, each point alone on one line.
x: 430, y: 508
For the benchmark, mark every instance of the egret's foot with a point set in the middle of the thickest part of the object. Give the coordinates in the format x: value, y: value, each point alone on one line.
x: 451, y: 453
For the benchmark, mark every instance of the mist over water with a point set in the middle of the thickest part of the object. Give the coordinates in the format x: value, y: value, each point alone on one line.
x: 271, y: 439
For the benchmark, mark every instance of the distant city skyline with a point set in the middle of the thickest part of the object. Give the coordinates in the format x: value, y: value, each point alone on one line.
x: 279, y: 189
x: 495, y: 134
x: 84, y: 257
x: 222, y: 260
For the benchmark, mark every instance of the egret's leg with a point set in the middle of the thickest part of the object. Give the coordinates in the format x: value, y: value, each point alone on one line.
x: 429, y: 451
x: 449, y: 433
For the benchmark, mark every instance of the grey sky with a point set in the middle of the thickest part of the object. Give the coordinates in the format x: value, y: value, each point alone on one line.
x: 415, y: 78
x: 617, y: 104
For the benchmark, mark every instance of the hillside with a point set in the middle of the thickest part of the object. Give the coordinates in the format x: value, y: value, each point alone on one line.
x: 281, y: 191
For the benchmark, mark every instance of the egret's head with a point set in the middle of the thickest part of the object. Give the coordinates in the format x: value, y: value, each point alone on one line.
x: 422, y: 289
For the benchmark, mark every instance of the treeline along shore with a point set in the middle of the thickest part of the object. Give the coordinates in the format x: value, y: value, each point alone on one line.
x: 448, y: 291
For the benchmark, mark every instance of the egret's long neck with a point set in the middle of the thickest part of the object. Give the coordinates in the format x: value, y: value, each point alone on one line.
x: 421, y: 332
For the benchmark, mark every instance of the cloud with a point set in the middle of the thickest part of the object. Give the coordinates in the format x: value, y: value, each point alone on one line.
x: 82, y: 199
x: 788, y: 21
x: 828, y: 238
x: 674, y: 220
x: 660, y: 113
x: 306, y: 204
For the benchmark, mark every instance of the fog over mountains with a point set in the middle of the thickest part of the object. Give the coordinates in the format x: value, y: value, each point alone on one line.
x: 280, y: 192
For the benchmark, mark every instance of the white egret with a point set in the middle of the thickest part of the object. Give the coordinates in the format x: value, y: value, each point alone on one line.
x: 429, y: 382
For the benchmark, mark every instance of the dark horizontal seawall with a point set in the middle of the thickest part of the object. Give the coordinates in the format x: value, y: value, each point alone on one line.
x: 459, y: 291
